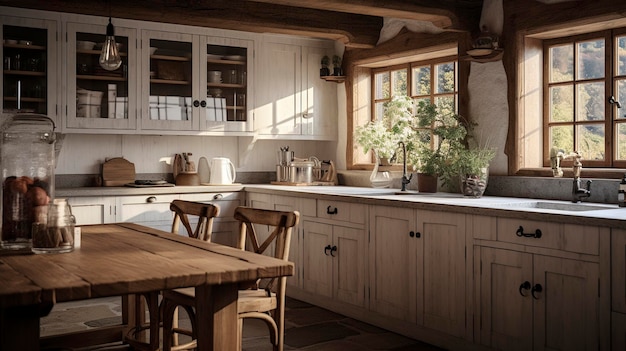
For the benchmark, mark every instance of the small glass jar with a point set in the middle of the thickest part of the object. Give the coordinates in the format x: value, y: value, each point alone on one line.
x: 54, y: 233
x: 27, y: 162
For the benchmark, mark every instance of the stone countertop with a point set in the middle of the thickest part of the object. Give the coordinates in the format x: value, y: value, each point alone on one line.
x: 523, y: 208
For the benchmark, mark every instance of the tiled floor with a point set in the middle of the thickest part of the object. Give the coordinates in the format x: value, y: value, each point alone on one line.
x: 308, y: 327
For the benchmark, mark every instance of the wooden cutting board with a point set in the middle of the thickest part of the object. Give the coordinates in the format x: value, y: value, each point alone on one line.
x: 117, y: 172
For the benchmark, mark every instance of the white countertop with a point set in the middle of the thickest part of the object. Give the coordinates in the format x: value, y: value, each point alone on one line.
x: 559, y: 211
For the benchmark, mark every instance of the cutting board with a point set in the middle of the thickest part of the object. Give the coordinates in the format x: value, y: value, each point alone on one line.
x: 117, y: 172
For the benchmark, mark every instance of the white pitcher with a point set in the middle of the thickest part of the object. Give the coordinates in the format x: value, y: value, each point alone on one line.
x: 222, y: 171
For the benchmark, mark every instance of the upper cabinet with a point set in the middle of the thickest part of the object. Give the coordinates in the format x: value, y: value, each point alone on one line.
x: 97, y: 98
x: 174, y: 79
x: 291, y: 100
x: 29, y: 71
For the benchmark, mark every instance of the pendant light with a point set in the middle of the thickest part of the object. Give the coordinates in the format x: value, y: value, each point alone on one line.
x: 110, y: 56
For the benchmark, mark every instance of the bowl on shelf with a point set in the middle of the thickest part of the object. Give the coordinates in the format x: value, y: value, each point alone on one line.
x: 235, y: 57
x: 213, y: 57
x: 26, y: 42
x: 10, y: 41
x: 153, y: 50
x: 85, y: 45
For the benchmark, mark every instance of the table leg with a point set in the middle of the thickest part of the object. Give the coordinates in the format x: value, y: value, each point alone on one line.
x: 19, y: 327
x: 216, y: 315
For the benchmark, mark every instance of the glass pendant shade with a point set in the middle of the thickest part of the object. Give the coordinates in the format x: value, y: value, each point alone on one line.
x: 110, y: 56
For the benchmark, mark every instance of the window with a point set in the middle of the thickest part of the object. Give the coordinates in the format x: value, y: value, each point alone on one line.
x: 434, y: 81
x: 584, y: 81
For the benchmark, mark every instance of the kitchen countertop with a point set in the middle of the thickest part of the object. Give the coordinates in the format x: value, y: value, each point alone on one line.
x: 609, y: 215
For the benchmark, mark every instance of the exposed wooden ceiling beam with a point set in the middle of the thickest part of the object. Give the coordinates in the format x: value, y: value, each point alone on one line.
x: 356, y: 23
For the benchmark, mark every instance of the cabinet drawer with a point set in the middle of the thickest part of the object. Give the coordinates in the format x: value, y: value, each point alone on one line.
x: 565, y: 237
x: 342, y: 211
x: 227, y: 202
x: 150, y: 210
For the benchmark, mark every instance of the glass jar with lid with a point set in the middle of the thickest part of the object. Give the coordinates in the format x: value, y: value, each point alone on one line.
x: 27, y: 162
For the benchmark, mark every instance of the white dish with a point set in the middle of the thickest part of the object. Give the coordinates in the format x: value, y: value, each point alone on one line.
x: 26, y: 42
x: 213, y: 57
x: 235, y: 57
x: 479, y: 52
x: 85, y: 45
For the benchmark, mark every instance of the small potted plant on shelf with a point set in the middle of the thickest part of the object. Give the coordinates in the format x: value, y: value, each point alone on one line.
x: 337, y: 66
x: 325, y: 71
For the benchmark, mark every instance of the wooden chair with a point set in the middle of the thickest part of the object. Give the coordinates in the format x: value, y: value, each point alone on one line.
x: 203, y: 229
x: 266, y: 300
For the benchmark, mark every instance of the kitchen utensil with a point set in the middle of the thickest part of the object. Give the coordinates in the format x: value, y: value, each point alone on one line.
x: 177, y: 166
x: 117, y: 172
x: 284, y: 156
x: 204, y: 171
x: 222, y: 171
x: 301, y: 172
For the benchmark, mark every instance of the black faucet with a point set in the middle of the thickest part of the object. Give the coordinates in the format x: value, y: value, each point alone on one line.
x: 579, y: 192
x: 405, y: 180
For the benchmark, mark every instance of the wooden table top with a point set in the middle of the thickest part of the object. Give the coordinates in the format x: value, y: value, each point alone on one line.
x: 126, y: 258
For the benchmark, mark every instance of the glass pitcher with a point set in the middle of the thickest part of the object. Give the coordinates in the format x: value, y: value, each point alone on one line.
x: 27, y: 162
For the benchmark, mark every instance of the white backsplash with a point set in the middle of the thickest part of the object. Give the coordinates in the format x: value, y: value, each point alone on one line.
x: 84, y: 153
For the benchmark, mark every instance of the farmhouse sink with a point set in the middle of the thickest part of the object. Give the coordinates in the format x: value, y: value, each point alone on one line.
x: 559, y: 206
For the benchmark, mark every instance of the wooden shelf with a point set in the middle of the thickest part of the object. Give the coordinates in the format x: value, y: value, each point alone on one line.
x: 169, y: 81
x: 225, y: 85
x: 94, y: 77
x: 25, y: 73
x: 336, y: 79
x: 94, y: 52
x: 27, y: 47
x: 226, y: 62
x: 24, y: 99
x: 170, y: 58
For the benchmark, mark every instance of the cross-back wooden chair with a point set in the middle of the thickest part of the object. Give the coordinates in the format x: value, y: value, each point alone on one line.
x: 182, y: 210
x: 266, y: 300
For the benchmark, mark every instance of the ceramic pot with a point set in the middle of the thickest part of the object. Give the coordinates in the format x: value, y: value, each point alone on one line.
x: 426, y: 183
x: 380, y: 179
x: 188, y: 178
x: 474, y: 185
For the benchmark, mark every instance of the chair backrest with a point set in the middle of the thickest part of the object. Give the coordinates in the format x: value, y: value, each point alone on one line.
x: 205, y: 213
x: 281, y: 221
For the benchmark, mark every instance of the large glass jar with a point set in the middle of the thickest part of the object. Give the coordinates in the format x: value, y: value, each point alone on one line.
x: 27, y: 162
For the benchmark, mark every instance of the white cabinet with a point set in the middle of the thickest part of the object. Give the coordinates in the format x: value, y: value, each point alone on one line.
x: 93, y: 210
x: 97, y: 99
x: 30, y: 65
x: 544, y: 291
x: 618, y: 289
x: 417, y: 267
x: 193, y: 82
x: 291, y: 100
x: 149, y: 210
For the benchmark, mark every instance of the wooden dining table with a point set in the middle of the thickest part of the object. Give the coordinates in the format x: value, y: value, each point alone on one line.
x: 125, y: 258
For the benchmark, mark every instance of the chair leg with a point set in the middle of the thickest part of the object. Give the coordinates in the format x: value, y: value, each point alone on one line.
x: 168, y: 316
x: 239, y: 334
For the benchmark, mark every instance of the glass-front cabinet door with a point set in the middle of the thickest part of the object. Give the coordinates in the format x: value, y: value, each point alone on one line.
x: 98, y: 98
x: 29, y: 53
x: 227, y: 79
x: 170, y: 81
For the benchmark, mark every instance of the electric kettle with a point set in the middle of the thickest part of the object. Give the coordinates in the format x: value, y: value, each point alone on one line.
x: 222, y: 171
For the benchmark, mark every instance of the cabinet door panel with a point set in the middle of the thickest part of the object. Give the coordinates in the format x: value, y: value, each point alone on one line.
x: 317, y: 274
x: 92, y: 210
x: 566, y: 311
x: 319, y: 98
x: 149, y: 210
x: 278, y: 105
x: 393, y: 260
x: 441, y: 292
x: 618, y: 270
x: 349, y: 266
x: 505, y: 315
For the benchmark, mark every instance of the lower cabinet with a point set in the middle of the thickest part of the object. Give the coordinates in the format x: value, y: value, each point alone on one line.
x: 536, y: 302
x: 93, y: 210
x: 150, y: 210
x: 417, y: 267
x: 225, y: 227
x: 333, y: 261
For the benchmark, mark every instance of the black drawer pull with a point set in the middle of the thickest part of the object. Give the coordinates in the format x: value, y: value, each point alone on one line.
x: 333, y: 249
x: 524, y: 286
x: 326, y: 250
x: 329, y: 211
x: 520, y: 233
x: 537, y: 288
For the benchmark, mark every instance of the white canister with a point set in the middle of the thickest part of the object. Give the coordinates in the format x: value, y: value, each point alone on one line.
x: 222, y: 171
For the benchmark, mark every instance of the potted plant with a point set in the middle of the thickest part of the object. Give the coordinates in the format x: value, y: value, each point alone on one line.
x: 325, y: 71
x: 337, y: 66
x: 455, y: 156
